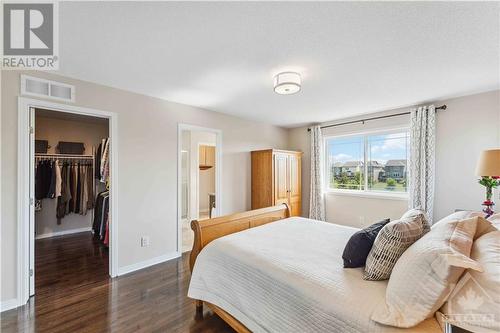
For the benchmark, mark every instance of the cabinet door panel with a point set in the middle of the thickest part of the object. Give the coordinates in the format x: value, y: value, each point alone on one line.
x: 280, y: 179
x: 210, y: 156
x: 295, y: 207
x: 294, y: 184
x: 202, y: 154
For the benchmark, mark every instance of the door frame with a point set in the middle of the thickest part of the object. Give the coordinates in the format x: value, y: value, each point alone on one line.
x: 188, y: 167
x: 218, y: 173
x: 25, y: 179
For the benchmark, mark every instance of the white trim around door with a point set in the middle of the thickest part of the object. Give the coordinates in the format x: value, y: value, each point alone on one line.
x: 218, y: 174
x: 25, y: 233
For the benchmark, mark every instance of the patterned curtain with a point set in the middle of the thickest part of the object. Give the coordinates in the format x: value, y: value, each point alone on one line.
x: 316, y: 202
x: 422, y: 151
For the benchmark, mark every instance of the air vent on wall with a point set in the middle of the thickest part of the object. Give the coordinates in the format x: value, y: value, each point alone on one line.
x: 34, y: 86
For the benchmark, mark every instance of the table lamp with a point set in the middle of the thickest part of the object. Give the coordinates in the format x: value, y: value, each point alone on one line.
x: 488, y: 168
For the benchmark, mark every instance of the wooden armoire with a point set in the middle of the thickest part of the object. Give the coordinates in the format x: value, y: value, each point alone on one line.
x: 276, y: 179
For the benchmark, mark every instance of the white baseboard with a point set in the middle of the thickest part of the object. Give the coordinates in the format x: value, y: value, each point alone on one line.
x: 61, y: 233
x: 146, y: 263
x: 9, y: 304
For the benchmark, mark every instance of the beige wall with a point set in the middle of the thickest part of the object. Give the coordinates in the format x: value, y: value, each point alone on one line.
x: 360, y: 212
x: 147, y: 166
x: 298, y: 139
x: 54, y: 130
x: 87, y: 131
x: 469, y: 125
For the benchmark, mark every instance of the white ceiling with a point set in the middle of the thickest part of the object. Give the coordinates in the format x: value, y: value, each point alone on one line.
x: 355, y: 58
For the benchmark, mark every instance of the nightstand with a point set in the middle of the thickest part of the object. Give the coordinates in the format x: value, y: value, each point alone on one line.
x: 455, y: 329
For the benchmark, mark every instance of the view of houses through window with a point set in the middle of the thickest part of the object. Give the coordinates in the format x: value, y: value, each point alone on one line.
x: 372, y: 162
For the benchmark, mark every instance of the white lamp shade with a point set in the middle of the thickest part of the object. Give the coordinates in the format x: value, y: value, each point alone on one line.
x: 489, y: 163
x: 287, y: 83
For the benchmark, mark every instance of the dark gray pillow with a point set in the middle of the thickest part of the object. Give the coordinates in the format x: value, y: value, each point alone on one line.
x: 360, y: 244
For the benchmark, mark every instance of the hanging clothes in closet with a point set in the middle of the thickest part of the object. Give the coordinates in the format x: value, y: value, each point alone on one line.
x: 69, y: 182
x: 43, y: 179
x: 100, y: 226
x: 102, y: 161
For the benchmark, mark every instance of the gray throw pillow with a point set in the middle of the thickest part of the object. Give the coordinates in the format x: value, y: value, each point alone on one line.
x: 394, y: 238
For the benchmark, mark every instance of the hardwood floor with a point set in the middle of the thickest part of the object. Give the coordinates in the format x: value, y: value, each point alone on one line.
x: 75, y: 294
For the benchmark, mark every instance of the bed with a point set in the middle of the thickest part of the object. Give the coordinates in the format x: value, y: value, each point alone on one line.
x: 285, y: 276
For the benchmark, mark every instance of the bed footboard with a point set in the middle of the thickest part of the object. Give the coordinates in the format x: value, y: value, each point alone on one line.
x: 207, y: 230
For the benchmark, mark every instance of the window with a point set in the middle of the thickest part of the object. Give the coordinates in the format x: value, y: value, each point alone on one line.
x: 371, y: 162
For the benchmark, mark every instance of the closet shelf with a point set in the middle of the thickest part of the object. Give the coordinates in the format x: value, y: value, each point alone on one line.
x: 66, y: 156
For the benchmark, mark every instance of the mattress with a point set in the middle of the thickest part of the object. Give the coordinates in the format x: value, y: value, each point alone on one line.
x: 288, y: 276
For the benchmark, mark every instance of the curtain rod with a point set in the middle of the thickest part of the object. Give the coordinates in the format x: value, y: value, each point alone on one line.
x: 442, y: 107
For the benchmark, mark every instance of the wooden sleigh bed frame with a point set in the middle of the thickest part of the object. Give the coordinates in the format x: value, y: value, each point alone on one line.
x: 207, y: 230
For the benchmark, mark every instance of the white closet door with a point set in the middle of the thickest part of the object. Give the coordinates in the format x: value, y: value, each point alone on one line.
x: 32, y: 202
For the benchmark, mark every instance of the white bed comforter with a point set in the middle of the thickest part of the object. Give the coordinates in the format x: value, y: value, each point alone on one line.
x: 288, y: 276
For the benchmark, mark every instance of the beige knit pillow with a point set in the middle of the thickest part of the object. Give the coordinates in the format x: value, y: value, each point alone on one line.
x: 426, y: 273
x: 394, y: 238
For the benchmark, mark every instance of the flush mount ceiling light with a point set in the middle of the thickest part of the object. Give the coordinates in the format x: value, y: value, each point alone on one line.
x: 287, y: 83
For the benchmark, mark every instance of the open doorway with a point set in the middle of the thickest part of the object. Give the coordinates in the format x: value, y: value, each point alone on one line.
x: 199, y: 178
x: 71, y: 187
x: 66, y: 237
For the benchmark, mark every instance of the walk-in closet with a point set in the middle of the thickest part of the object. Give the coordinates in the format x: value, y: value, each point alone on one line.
x: 71, y: 192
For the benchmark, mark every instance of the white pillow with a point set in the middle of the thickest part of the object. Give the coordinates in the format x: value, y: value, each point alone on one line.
x: 426, y: 273
x: 460, y: 215
x: 475, y: 301
x: 483, y: 226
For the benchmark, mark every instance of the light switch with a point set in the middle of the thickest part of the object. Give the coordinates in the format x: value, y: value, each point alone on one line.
x: 144, y: 241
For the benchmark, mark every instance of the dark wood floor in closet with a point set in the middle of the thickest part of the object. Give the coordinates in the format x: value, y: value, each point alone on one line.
x: 75, y: 294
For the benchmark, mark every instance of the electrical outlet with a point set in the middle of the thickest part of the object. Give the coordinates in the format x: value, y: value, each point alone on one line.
x: 362, y: 221
x: 144, y: 241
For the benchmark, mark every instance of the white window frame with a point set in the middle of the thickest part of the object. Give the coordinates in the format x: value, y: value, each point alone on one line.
x: 365, y: 192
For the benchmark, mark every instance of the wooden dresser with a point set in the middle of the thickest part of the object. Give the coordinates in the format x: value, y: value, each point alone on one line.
x: 276, y: 179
